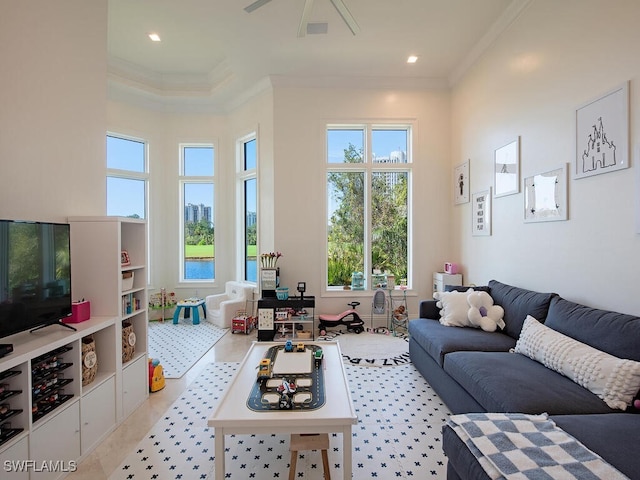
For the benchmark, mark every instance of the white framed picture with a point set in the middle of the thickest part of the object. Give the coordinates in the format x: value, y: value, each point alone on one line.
x: 481, y: 213
x: 461, y: 183
x: 507, y: 169
x: 602, y: 134
x: 545, y: 196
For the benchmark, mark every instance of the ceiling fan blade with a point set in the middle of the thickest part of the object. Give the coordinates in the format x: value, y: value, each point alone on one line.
x: 346, y: 15
x: 302, y: 28
x: 255, y: 5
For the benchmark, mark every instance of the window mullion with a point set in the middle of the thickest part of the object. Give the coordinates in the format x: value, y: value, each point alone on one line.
x: 368, y: 225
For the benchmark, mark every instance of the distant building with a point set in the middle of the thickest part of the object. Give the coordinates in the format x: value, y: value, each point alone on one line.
x: 197, y: 213
x: 397, y: 156
x: 252, y: 218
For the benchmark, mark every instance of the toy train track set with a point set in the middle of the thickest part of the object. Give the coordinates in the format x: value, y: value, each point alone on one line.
x: 289, y: 377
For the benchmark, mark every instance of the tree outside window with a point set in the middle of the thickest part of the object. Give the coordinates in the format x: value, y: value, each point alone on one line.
x: 367, y: 202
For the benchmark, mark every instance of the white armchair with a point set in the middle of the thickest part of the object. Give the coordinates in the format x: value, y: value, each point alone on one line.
x: 221, y: 308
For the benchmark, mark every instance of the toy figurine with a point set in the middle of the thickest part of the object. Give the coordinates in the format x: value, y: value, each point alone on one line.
x: 286, y: 390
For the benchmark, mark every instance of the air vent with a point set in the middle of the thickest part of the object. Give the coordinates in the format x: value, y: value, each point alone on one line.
x: 317, y: 28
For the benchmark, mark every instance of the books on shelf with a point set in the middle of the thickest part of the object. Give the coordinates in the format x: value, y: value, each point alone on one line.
x: 130, y: 304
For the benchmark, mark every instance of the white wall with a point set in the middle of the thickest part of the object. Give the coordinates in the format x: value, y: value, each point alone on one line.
x: 554, y: 58
x: 52, y: 108
x: 300, y: 118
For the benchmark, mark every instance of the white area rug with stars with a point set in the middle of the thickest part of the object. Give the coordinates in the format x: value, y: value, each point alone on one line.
x: 398, y: 434
x: 180, y: 346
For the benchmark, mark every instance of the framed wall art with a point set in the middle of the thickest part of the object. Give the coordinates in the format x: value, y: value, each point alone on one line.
x: 461, y: 183
x: 545, y: 196
x: 507, y: 169
x: 602, y: 134
x: 481, y: 213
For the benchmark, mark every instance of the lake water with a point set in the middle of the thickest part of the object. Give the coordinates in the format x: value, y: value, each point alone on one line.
x: 204, y: 269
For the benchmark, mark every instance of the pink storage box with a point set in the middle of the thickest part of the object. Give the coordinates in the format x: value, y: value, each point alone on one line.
x: 80, y: 311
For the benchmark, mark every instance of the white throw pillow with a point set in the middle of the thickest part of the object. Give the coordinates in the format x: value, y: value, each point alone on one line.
x: 614, y: 380
x: 453, y: 308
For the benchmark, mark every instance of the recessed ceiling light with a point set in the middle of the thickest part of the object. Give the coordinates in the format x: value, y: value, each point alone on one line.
x: 155, y: 37
x: 412, y: 59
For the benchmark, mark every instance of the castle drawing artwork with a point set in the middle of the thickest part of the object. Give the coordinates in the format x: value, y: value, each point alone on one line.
x: 600, y: 152
x: 602, y: 134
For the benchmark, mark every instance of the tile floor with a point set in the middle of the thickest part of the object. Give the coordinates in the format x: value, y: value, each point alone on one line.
x: 114, y: 449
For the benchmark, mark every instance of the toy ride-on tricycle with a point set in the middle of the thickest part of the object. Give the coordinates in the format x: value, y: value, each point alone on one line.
x: 354, y: 323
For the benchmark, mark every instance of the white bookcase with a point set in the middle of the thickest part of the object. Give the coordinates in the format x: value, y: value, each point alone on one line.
x: 48, y: 415
x: 97, y: 275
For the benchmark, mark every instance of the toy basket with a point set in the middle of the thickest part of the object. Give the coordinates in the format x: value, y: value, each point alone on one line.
x: 89, y: 360
x: 282, y: 293
x: 128, y: 341
x: 127, y: 281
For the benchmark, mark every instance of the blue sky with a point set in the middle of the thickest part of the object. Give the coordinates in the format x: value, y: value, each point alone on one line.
x: 382, y: 142
x: 126, y: 196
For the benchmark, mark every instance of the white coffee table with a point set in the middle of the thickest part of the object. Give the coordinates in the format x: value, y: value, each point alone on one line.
x: 232, y: 416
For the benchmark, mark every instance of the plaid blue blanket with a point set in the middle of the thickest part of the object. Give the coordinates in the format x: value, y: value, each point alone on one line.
x: 516, y: 446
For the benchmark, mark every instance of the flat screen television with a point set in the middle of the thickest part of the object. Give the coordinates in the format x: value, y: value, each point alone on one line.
x: 35, y: 275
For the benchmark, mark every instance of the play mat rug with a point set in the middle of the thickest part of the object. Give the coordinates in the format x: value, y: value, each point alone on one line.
x: 370, y: 349
x: 296, y: 381
x: 178, y: 347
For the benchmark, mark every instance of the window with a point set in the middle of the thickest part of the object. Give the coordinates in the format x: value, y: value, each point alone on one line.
x: 198, y: 223
x: 127, y: 177
x: 368, y: 178
x: 248, y: 204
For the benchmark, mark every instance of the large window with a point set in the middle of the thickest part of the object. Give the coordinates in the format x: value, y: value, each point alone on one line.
x: 368, y: 178
x: 127, y: 177
x: 198, y: 223
x: 248, y: 188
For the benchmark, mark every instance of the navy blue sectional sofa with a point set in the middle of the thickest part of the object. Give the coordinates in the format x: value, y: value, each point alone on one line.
x: 475, y: 371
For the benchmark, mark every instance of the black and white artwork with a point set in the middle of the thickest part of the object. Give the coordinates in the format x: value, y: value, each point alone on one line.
x: 461, y: 183
x: 481, y: 213
x: 545, y: 196
x: 602, y: 134
x: 507, y: 169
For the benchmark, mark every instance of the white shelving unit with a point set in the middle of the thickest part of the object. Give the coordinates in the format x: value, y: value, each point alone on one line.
x: 97, y: 244
x: 286, y: 328
x: 51, y: 417
x: 441, y: 280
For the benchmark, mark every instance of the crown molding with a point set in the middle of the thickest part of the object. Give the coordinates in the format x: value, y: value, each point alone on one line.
x: 406, y: 83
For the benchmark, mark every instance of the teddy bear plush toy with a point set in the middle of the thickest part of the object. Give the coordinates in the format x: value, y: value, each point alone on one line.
x: 483, y: 313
